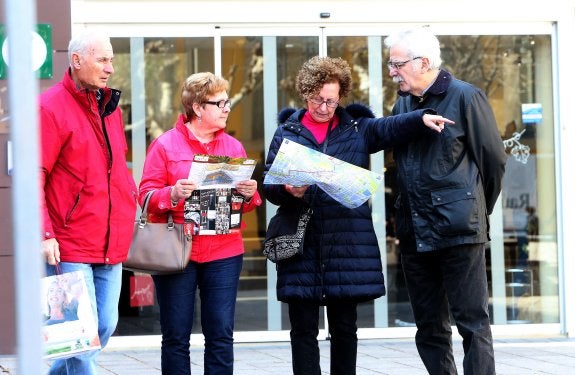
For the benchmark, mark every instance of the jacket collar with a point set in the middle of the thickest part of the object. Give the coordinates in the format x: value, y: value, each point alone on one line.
x: 438, y: 87
x: 111, y: 97
x: 182, y: 128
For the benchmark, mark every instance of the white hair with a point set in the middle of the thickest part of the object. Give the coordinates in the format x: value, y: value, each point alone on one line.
x: 419, y: 42
x: 84, y: 41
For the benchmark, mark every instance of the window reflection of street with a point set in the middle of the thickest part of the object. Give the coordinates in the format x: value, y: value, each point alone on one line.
x: 512, y: 69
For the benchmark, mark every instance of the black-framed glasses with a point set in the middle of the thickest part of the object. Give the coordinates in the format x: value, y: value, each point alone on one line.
x: 399, y: 64
x: 220, y: 103
x: 330, y: 102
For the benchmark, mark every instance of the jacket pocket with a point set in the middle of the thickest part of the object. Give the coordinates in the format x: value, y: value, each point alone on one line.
x: 402, y: 227
x: 455, y: 211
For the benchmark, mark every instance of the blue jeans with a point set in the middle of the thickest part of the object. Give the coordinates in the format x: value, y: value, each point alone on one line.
x: 104, y: 283
x: 217, y: 282
x: 451, y: 280
x: 304, y: 320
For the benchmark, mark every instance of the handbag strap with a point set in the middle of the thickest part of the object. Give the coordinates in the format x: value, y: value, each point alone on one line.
x: 144, y: 215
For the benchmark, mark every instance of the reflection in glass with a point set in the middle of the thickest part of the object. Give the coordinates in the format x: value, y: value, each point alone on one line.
x: 512, y: 70
x: 354, y: 50
x: 292, y: 52
x: 242, y: 66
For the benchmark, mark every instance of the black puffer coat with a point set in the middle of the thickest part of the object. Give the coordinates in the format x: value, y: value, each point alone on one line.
x: 341, y: 259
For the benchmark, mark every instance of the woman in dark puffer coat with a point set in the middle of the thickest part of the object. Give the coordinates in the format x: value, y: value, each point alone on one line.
x: 341, y: 262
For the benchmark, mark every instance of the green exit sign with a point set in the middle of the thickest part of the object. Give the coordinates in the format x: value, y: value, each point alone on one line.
x: 41, y: 51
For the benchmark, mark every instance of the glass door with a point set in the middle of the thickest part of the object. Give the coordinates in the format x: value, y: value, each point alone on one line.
x: 262, y: 71
x: 261, y: 65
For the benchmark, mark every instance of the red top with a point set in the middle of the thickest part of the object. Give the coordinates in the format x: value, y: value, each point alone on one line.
x: 318, y: 129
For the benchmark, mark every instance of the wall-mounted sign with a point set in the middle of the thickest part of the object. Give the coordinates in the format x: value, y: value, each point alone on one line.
x: 531, y: 113
x: 41, y: 52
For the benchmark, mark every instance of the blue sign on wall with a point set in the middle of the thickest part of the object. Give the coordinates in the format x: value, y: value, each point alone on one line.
x: 531, y: 113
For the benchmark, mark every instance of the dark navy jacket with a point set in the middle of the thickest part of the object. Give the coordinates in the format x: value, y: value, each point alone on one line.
x: 341, y: 259
x: 449, y: 183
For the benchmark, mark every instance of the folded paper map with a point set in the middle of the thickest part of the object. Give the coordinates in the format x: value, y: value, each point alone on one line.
x: 299, y: 165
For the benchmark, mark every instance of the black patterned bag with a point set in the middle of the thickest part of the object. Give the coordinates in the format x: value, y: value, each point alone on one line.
x: 286, y: 233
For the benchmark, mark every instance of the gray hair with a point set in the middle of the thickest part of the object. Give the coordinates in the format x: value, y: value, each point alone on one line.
x: 419, y: 42
x: 83, y: 42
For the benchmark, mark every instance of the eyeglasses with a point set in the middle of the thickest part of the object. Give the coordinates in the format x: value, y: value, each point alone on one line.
x: 220, y: 103
x: 399, y: 64
x: 330, y: 102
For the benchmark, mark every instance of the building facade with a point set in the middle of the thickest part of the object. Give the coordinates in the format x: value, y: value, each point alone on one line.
x: 516, y: 54
x: 519, y: 53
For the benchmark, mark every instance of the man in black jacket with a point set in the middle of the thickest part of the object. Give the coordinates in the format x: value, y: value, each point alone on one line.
x: 448, y: 185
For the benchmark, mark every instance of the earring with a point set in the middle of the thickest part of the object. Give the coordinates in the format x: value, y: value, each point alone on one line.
x: 199, y: 120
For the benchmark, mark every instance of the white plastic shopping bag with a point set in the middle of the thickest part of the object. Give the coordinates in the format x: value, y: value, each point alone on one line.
x: 70, y: 326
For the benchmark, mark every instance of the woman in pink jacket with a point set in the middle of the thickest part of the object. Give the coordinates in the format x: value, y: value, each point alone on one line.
x: 216, y: 260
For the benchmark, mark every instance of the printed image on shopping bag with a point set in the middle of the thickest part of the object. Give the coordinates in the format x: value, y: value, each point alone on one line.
x: 70, y: 325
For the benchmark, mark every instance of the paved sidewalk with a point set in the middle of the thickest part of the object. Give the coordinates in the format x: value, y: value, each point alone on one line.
x: 375, y: 356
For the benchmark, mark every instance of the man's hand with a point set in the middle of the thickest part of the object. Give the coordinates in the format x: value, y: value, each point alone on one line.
x: 51, y: 250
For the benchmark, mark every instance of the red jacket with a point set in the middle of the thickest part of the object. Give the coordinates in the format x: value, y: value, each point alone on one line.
x: 89, y: 195
x: 169, y: 159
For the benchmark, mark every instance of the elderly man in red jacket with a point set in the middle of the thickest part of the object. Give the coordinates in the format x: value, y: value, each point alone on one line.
x: 89, y: 195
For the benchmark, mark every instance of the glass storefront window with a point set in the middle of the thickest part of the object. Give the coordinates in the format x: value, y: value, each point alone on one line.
x: 242, y: 66
x: 121, y: 80
x: 166, y: 64
x: 168, y: 61
x: 514, y: 71
x: 354, y: 49
x: 292, y: 52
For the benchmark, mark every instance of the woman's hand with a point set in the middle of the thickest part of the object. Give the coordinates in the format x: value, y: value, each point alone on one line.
x: 435, y: 122
x: 247, y: 188
x: 182, y: 189
x: 296, y: 191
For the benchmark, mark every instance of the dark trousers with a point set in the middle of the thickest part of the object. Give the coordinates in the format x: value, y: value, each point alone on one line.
x: 304, y: 319
x: 451, y: 280
x: 218, y: 285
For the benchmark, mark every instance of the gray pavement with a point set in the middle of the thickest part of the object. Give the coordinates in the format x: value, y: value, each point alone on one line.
x: 375, y: 356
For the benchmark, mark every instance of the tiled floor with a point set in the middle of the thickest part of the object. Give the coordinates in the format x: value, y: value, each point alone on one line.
x: 381, y: 356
